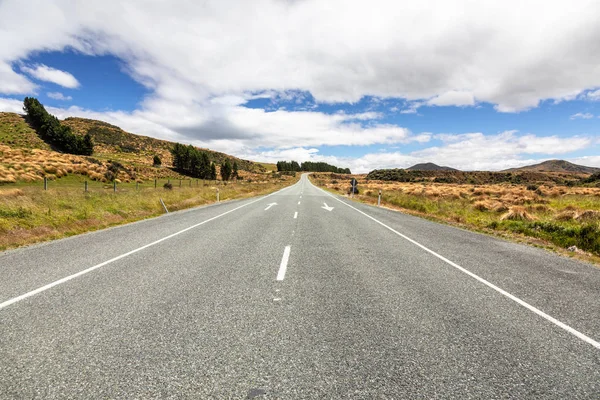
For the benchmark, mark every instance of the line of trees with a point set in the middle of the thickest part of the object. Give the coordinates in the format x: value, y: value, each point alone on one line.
x: 53, y: 132
x: 229, y: 171
x: 190, y: 161
x: 310, y: 166
x: 193, y: 162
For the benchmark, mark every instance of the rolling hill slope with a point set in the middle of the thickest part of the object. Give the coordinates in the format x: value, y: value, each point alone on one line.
x: 26, y: 157
x: 556, y: 166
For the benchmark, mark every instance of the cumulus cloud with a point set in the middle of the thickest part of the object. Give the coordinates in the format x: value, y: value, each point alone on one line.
x: 593, y: 95
x: 453, y: 98
x: 582, y: 116
x: 58, y: 96
x: 470, y: 151
x: 48, y: 74
x: 450, y: 52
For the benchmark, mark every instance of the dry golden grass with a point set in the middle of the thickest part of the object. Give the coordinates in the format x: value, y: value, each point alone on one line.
x: 561, y: 215
x: 517, y: 213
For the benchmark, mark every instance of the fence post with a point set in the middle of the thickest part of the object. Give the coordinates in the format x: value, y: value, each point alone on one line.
x: 45, y: 183
x: 180, y: 183
x: 217, y: 195
x: 114, y: 186
x: 379, y: 199
x: 137, y: 185
x: 163, y: 204
x: 155, y: 184
x: 190, y: 183
x: 85, y: 185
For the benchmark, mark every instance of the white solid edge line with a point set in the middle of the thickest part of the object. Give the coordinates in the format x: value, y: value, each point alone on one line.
x: 85, y: 271
x: 296, y: 215
x: 480, y: 279
x: 284, y: 263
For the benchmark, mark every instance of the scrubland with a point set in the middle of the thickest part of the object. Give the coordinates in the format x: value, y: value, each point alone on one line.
x: 547, y: 215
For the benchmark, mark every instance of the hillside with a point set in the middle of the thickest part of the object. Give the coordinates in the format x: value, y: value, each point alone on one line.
x: 429, y: 167
x: 473, y: 177
x: 26, y: 157
x: 556, y: 166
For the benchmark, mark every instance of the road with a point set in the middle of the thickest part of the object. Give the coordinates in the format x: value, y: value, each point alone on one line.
x: 299, y: 294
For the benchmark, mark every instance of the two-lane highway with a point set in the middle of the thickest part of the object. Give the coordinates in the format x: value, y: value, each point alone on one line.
x: 299, y: 294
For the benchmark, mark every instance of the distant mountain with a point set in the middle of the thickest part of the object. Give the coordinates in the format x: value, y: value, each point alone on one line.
x: 556, y: 166
x: 429, y: 167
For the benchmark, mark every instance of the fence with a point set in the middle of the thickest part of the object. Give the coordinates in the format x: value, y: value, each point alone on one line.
x: 90, y: 186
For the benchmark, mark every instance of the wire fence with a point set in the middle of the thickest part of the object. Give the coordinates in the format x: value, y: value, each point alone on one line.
x: 164, y: 183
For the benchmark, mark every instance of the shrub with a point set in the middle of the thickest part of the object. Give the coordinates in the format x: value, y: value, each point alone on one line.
x: 517, y: 214
x: 168, y: 186
x: 156, y: 161
x: 532, y: 187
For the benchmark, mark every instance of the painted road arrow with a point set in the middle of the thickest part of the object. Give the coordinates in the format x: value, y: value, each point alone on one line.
x: 327, y: 207
x: 270, y: 205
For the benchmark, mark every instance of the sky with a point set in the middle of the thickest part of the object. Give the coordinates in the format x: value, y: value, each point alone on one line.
x: 469, y: 84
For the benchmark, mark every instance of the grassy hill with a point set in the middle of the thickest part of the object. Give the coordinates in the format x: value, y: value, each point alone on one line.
x: 25, y: 157
x: 556, y: 166
x: 430, y: 167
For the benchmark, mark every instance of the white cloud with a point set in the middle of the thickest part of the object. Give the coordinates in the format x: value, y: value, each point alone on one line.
x: 592, y: 95
x: 413, y: 50
x: 582, y: 116
x: 453, y: 98
x: 470, y: 151
x: 48, y: 74
x: 58, y: 96
x: 589, y: 161
x: 11, y: 105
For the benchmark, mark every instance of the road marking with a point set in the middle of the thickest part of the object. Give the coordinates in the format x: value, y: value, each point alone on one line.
x: 296, y: 215
x: 327, y: 207
x: 503, y: 292
x: 85, y: 271
x: 284, y: 263
x: 270, y: 205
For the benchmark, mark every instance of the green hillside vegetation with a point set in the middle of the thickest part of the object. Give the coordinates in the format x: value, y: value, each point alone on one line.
x: 310, y: 166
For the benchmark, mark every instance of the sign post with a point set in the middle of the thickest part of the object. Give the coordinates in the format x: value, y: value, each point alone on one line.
x: 379, y: 199
x: 353, y: 182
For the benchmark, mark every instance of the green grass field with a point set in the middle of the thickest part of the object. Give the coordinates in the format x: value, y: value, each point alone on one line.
x: 30, y: 214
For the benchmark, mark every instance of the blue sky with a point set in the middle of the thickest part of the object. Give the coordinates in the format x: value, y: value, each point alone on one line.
x: 270, y: 87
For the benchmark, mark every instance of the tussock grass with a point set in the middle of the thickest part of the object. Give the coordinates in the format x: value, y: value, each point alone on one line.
x: 517, y: 213
x: 28, y: 214
x: 559, y: 215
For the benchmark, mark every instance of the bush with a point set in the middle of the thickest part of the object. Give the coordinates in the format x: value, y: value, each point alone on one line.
x: 532, y: 187
x: 156, y: 161
x: 168, y: 186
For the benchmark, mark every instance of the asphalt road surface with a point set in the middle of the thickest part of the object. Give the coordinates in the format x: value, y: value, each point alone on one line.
x: 299, y: 294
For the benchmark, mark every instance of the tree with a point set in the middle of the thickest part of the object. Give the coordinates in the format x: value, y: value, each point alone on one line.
x: 88, y: 144
x: 234, y: 174
x: 50, y: 130
x: 156, y: 162
x: 213, y: 171
x: 226, y: 170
